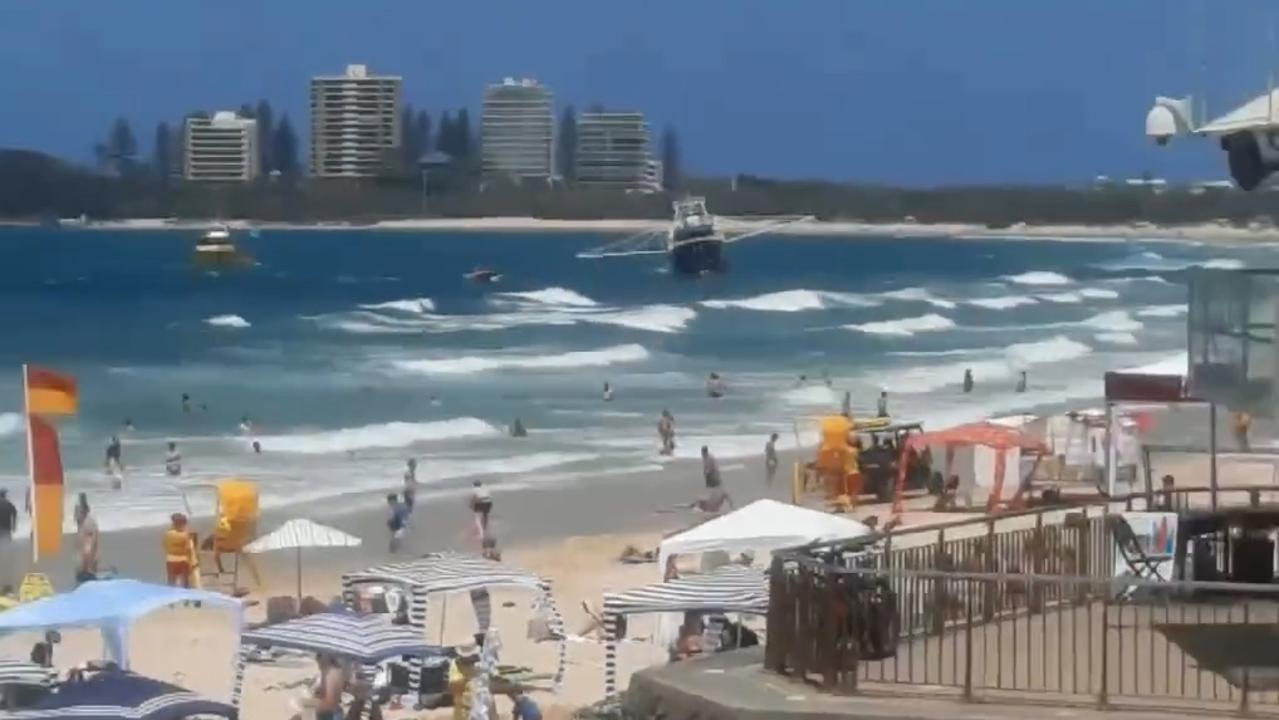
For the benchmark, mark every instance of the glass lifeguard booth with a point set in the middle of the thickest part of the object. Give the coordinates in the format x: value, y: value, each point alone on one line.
x: 1233, y: 356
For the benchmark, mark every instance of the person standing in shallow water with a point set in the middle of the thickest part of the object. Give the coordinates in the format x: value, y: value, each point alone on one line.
x: 770, y: 458
x: 968, y: 380
x: 410, y: 483
x: 882, y: 407
x: 1021, y: 382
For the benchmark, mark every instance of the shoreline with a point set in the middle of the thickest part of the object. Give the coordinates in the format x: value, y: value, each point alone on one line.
x: 815, y: 228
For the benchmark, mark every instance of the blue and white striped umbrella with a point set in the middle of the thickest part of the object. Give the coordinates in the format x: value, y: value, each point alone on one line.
x: 21, y: 672
x: 121, y: 696
x: 369, y: 639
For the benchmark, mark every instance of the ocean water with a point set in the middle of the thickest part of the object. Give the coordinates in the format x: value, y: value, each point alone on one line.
x: 353, y: 350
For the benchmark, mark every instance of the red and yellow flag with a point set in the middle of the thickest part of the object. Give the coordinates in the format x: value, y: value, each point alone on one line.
x: 49, y: 393
x: 46, y: 487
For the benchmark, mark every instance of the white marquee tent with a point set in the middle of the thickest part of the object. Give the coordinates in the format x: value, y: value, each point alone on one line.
x: 762, y: 526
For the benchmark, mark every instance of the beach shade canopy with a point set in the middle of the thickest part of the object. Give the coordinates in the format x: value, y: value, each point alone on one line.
x: 121, y: 696
x: 111, y: 606
x: 999, y: 438
x: 369, y: 639
x: 302, y: 533
x: 731, y: 588
x: 21, y: 672
x: 762, y: 526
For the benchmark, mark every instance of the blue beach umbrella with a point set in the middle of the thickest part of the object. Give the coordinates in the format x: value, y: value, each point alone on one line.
x: 121, y: 696
x: 368, y: 639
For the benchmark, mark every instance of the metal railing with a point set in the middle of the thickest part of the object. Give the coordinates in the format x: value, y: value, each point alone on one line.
x: 990, y: 636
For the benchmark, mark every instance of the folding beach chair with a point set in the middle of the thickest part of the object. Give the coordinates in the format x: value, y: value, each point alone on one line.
x: 1141, y: 564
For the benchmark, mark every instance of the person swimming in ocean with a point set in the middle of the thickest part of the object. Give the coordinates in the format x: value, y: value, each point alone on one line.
x: 128, y: 425
x: 715, y: 386
x: 518, y: 430
x: 186, y: 403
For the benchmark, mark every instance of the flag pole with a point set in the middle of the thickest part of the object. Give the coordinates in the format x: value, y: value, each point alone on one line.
x: 31, y: 465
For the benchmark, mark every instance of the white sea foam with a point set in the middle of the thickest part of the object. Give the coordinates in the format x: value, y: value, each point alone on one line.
x: 793, y: 301
x: 552, y: 296
x: 1066, y: 297
x: 1039, y: 277
x: 1113, y: 321
x: 1117, y: 338
x: 1099, y: 294
x: 1006, y: 302
x: 227, y: 321
x: 381, y: 435
x: 812, y: 395
x: 917, y: 294
x: 1056, y: 349
x: 1223, y: 264
x: 905, y: 326
x: 407, y: 305
x: 654, y: 318
x: 1163, y: 311
x: 1175, y: 364
x: 10, y: 423
x: 470, y: 364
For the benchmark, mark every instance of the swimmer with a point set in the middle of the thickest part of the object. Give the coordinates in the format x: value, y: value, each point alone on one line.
x: 257, y: 447
x: 715, y: 386
x: 1021, y: 382
x: 246, y: 427
x: 128, y: 425
x: 608, y: 392
x: 518, y: 430
x: 186, y: 403
x: 968, y: 380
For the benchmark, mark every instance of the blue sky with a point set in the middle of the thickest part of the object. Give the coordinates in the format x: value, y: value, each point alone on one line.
x: 916, y: 92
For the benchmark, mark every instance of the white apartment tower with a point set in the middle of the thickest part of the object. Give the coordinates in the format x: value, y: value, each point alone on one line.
x: 517, y: 131
x: 355, y: 124
x: 613, y: 151
x: 223, y: 148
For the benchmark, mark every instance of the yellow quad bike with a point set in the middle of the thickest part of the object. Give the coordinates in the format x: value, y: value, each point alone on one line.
x: 235, y: 525
x: 841, y: 473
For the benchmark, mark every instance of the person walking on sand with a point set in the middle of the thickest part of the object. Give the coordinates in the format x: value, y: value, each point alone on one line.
x: 173, y: 460
x: 770, y: 458
x: 968, y: 380
x: 179, y: 552
x: 410, y: 483
x: 1243, y: 423
x: 397, y: 521
x: 716, y: 497
x: 8, y: 523
x: 86, y: 541
x: 881, y: 409
x: 481, y: 506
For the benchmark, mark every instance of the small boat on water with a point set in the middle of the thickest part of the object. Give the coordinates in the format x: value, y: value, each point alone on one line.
x: 217, y: 248
x: 695, y: 243
x: 483, y: 275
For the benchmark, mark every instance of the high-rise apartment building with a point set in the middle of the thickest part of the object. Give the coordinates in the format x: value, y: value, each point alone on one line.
x: 517, y: 131
x: 355, y: 124
x: 613, y: 151
x: 222, y: 148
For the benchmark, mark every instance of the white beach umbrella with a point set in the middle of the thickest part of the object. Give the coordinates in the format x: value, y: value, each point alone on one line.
x: 302, y: 533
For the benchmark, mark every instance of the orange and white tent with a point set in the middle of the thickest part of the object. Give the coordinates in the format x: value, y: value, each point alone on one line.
x: 986, y: 456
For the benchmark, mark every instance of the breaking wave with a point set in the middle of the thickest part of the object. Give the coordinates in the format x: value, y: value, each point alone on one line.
x: 992, y: 367
x: 380, y: 435
x: 917, y: 294
x: 227, y: 321
x: 470, y: 364
x: 552, y: 296
x: 905, y: 326
x: 1099, y: 294
x: 1006, y: 302
x: 1117, y: 338
x: 793, y: 301
x: 419, y: 305
x: 1066, y: 297
x: 1163, y: 311
x: 1056, y: 349
x: 1115, y: 321
x: 1039, y: 277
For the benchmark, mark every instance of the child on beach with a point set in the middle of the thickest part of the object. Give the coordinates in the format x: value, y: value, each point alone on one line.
x: 397, y: 522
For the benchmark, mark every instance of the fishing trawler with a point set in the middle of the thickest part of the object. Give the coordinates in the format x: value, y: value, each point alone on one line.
x: 694, y: 241
x: 216, y: 249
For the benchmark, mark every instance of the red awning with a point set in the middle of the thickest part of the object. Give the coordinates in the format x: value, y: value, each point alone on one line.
x: 999, y: 437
